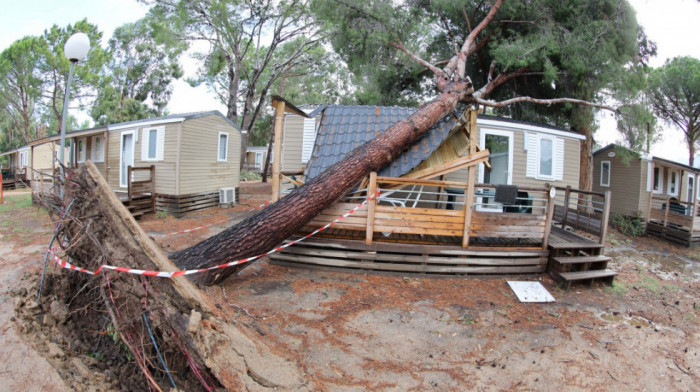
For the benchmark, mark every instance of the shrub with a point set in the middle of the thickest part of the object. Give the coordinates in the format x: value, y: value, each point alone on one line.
x: 250, y: 176
x: 628, y: 225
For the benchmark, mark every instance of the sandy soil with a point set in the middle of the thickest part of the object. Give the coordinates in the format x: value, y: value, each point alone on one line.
x: 354, y: 331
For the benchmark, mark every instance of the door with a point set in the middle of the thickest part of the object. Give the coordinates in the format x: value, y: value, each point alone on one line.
x: 690, y: 190
x: 500, y: 146
x: 258, y: 160
x: 126, y: 157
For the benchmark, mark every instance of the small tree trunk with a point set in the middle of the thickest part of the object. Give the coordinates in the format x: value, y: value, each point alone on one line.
x: 268, y: 228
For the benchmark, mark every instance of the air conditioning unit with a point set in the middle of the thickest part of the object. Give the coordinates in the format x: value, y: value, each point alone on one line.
x: 227, y: 197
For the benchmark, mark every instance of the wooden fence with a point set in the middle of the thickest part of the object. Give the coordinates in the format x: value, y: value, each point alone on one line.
x: 583, y: 210
x: 430, y: 214
x: 141, y: 190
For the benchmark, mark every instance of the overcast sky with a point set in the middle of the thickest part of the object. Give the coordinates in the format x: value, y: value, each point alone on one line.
x: 672, y: 24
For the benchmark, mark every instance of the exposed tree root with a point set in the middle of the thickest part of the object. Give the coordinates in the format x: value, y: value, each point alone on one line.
x: 200, y: 350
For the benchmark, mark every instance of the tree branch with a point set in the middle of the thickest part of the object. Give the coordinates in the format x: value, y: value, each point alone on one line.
x: 500, y: 104
x: 399, y: 45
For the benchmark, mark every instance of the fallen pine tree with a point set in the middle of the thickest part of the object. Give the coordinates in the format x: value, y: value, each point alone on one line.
x: 202, y: 350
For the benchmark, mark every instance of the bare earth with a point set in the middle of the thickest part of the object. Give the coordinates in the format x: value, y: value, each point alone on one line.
x: 355, y: 331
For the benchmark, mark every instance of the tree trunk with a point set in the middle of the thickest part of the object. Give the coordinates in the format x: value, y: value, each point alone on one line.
x: 582, y: 120
x: 268, y: 228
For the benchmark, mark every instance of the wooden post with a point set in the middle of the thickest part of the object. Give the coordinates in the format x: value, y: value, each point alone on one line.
x: 651, y: 194
x: 564, y: 218
x: 668, y: 205
x: 604, y: 219
x: 469, y: 191
x: 548, y: 220
x: 277, y: 155
x: 369, y: 235
x: 695, y: 198
x: 129, y: 170
x: 105, y: 155
x: 153, y: 187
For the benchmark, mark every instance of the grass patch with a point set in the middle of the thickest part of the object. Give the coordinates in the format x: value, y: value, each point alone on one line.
x: 13, y: 203
x: 250, y: 176
x: 161, y: 214
x: 616, y: 288
x: 650, y: 284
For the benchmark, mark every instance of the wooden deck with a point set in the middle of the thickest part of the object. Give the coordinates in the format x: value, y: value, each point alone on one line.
x: 674, y: 221
x: 431, y: 241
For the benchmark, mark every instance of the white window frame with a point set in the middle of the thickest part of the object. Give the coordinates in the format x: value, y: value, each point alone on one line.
x: 602, y: 164
x: 146, y: 141
x: 660, y: 182
x: 218, y: 147
x: 121, y: 151
x: 670, y: 178
x: 690, y: 177
x: 98, y: 149
x: 23, y: 159
x: 82, y: 149
x: 552, y: 139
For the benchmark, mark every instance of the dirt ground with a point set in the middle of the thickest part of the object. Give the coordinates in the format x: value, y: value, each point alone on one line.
x: 356, y: 331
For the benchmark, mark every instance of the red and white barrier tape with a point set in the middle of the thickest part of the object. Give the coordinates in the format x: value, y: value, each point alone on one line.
x: 163, y: 274
x: 261, y: 205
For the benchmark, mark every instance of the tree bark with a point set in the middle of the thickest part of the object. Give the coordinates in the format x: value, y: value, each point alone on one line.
x: 269, y: 227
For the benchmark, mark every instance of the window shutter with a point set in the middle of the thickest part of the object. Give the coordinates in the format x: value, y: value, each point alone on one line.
x: 559, y: 159
x: 144, y: 144
x: 160, y: 146
x: 532, y: 149
x: 650, y: 174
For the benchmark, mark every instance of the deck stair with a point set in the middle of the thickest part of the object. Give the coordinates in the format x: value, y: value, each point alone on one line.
x: 578, y: 261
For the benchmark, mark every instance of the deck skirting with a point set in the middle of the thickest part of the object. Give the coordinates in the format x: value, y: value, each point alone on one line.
x: 180, y: 204
x: 413, y: 258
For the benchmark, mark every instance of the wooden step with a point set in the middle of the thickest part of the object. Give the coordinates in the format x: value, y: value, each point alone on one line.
x: 575, y: 245
x: 567, y: 277
x: 580, y: 259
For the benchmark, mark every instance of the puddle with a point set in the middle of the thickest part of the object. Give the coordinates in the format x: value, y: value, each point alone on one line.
x: 634, y: 321
x: 660, y: 260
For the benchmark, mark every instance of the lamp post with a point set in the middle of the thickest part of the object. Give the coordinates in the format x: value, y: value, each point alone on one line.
x: 76, y: 49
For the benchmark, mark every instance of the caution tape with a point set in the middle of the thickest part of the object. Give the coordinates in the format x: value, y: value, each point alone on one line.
x: 163, y: 274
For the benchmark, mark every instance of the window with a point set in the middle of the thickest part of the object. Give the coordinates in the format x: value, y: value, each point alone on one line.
x: 98, y: 152
x: 152, y: 144
x: 152, y: 140
x: 81, y: 150
x: 658, y: 180
x: 23, y: 159
x: 673, y: 183
x: 605, y: 173
x: 223, y: 147
x: 545, y: 162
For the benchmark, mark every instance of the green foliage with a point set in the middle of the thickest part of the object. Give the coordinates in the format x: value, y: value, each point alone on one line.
x: 54, y: 66
x: 142, y: 69
x: 161, y: 214
x: 251, y: 45
x: 674, y: 92
x: 20, y: 92
x: 250, y: 176
x: 628, y: 225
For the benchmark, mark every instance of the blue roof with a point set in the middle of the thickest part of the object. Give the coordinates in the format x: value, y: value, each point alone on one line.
x: 344, y: 128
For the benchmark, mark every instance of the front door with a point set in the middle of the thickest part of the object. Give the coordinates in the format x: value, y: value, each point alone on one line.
x: 500, y: 146
x: 126, y: 157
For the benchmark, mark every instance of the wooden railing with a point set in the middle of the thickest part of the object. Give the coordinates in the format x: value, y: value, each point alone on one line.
x: 583, y: 210
x: 45, y: 181
x: 671, y: 212
x: 141, y: 189
x: 428, y: 213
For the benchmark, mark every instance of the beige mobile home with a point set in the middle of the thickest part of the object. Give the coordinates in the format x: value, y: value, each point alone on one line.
x: 662, y: 192
x: 185, y: 162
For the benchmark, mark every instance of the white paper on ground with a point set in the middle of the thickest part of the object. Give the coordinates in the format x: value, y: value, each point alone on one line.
x: 530, y: 291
